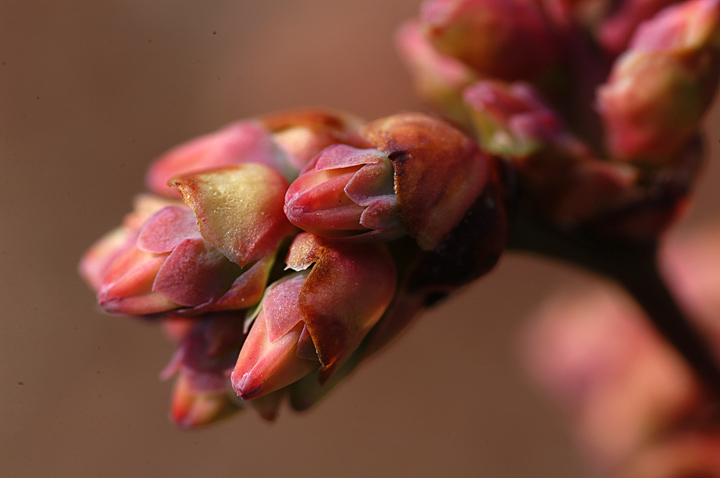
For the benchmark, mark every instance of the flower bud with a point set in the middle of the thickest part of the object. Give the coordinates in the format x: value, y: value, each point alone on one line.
x: 508, y: 39
x: 102, y: 254
x: 170, y: 266
x: 302, y: 134
x: 511, y: 119
x: 279, y: 349
x: 437, y: 174
x: 203, y: 362
x: 208, y: 348
x: 344, y: 191
x: 284, y: 141
x: 192, y: 408
x: 316, y: 317
x: 239, y: 209
x: 659, y: 90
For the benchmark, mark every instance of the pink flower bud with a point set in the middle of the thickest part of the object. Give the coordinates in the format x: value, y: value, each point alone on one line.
x: 511, y: 119
x: 302, y: 134
x: 508, y: 39
x: 317, y: 317
x: 102, y: 254
x: 438, y: 78
x: 170, y: 266
x: 208, y: 349
x: 279, y: 349
x: 236, y: 143
x: 284, y: 141
x: 191, y: 408
x: 659, y: 90
x: 345, y: 191
x: 239, y: 209
x: 422, y: 177
x: 203, y: 362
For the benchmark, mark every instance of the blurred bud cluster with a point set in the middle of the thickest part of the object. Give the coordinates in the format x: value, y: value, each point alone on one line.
x: 597, y: 104
x: 637, y: 408
x: 280, y: 252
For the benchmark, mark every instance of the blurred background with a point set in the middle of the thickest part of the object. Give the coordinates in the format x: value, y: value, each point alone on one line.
x: 90, y: 92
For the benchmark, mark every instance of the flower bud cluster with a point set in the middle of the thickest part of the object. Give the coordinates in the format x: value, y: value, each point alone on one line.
x: 281, y: 251
x: 600, y: 114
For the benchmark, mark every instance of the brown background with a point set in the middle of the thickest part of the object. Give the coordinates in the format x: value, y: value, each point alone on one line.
x: 90, y: 92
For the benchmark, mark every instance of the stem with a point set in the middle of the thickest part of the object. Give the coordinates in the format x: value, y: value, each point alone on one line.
x: 634, y: 266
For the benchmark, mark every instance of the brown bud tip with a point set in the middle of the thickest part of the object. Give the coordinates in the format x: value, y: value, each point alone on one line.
x: 439, y: 172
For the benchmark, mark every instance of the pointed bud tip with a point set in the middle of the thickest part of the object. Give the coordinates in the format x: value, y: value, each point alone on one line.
x: 248, y: 385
